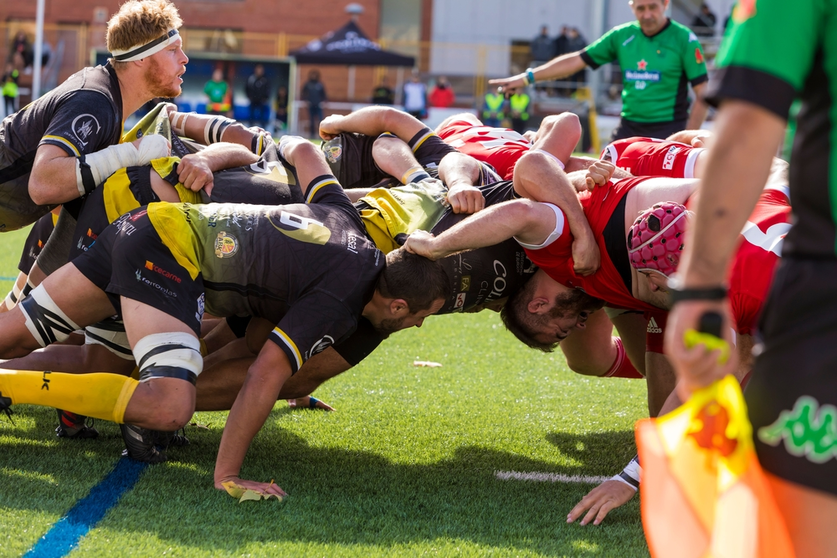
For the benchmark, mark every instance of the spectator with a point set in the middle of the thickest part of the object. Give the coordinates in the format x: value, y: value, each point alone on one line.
x: 258, y: 93
x: 542, y: 47
x: 704, y: 23
x: 519, y: 104
x: 314, y: 93
x: 216, y: 90
x: 281, y: 125
x: 442, y: 94
x: 21, y: 54
x: 10, y: 90
x: 560, y: 44
x: 383, y: 94
x: 415, y: 97
x: 492, y: 108
x: 575, y: 42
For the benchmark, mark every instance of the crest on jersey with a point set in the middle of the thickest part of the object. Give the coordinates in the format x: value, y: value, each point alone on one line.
x: 226, y: 245
x: 333, y: 150
x: 84, y: 127
x: 320, y: 346
x: 699, y: 56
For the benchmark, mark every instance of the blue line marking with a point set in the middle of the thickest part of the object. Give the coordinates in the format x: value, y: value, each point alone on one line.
x: 8, y: 278
x: 64, y: 536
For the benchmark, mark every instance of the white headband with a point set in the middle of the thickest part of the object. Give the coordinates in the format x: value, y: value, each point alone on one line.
x: 142, y: 51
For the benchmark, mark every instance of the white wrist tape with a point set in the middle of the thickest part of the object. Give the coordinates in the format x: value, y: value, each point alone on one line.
x: 630, y: 474
x: 178, y: 123
x: 104, y: 163
x: 556, y: 159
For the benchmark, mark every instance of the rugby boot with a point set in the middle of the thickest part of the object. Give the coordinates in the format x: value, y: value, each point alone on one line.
x: 71, y: 425
x: 140, y: 444
x: 164, y: 439
x: 6, y: 406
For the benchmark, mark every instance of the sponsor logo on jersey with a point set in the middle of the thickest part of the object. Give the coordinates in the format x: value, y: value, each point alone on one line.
x: 84, y: 126
x: 634, y: 75
x: 692, y: 37
x: 226, y: 245
x: 699, y: 56
x: 91, y: 234
x: 320, y: 346
x: 460, y: 301
x: 161, y: 271
x: 201, y: 305
x: 809, y: 430
x: 500, y: 283
x: 642, y: 65
x: 653, y: 327
x: 628, y: 40
x: 138, y: 214
x: 351, y: 243
x: 671, y: 154
x: 465, y: 283
x: 142, y: 279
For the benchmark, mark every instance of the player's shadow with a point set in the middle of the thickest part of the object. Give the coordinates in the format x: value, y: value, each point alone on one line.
x: 598, y: 453
x: 336, y: 495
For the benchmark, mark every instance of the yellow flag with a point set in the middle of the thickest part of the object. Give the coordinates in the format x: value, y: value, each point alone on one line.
x: 704, y: 494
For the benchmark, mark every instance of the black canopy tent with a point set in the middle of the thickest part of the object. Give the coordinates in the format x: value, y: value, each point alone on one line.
x: 349, y: 46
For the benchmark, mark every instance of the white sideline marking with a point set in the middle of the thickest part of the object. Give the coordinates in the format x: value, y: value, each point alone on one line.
x: 548, y: 477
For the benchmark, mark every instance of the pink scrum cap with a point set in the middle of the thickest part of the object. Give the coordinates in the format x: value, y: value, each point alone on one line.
x: 655, y: 240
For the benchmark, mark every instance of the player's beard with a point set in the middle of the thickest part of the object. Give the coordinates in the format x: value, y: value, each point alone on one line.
x: 159, y: 83
x: 389, y: 326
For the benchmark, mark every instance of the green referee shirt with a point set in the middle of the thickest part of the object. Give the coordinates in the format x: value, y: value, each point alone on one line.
x: 775, y: 51
x: 655, y: 70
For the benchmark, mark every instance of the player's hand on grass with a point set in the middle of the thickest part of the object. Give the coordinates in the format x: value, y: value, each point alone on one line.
x: 465, y: 199
x: 699, y: 366
x: 194, y: 173
x: 586, y: 255
x: 598, y: 502
x: 330, y: 127
x: 422, y: 243
x: 236, y: 487
x: 598, y: 174
x: 309, y: 402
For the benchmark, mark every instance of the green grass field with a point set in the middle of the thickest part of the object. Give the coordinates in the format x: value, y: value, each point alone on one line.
x: 406, y: 466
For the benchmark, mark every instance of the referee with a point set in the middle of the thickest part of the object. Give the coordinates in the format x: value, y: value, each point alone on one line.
x: 659, y: 59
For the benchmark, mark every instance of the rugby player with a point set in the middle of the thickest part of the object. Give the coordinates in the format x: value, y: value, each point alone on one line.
x: 749, y: 279
x: 543, y: 182
x: 60, y: 146
x: 307, y: 267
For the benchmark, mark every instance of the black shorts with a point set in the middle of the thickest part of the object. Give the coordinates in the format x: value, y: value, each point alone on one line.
x: 660, y: 130
x: 792, y: 394
x: 130, y: 259
x: 38, y: 236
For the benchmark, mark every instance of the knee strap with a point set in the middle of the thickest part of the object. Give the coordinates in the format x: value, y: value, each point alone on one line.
x: 169, y: 355
x: 44, y: 319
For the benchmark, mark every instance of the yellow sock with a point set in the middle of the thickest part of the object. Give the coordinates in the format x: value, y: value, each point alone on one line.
x: 98, y: 395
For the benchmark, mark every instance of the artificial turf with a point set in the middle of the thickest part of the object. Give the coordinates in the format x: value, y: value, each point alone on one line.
x: 406, y: 466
